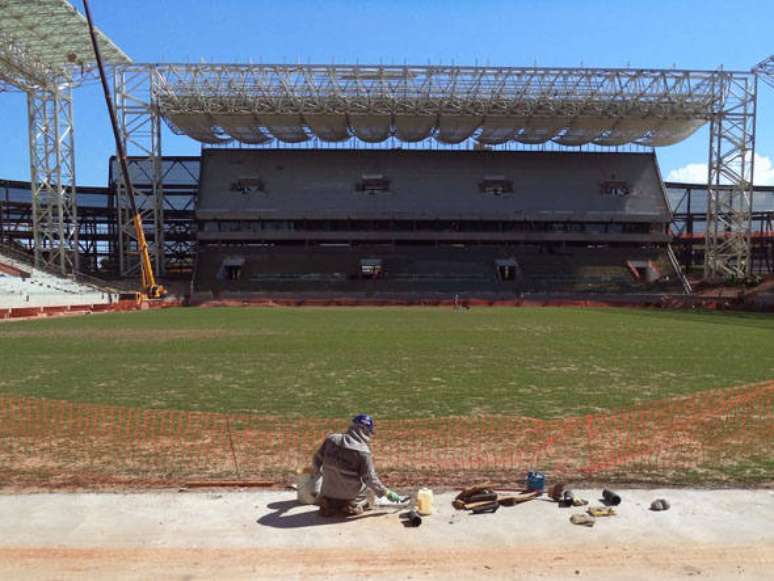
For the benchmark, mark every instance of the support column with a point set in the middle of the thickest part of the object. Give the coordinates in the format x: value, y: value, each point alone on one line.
x: 729, y: 202
x: 140, y: 126
x: 52, y: 169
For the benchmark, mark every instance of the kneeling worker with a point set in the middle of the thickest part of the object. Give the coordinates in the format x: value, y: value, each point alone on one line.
x: 344, y: 461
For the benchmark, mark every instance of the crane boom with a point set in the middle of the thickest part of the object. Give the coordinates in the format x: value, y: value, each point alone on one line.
x: 150, y: 288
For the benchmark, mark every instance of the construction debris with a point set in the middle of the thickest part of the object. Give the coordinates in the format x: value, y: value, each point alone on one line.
x: 583, y: 520
x: 601, y: 511
x: 659, y: 504
x: 411, y: 519
x: 611, y: 498
x: 557, y: 491
x: 513, y: 500
x: 487, y: 507
x: 482, y: 497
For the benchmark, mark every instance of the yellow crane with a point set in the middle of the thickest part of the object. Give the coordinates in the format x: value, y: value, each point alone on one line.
x: 150, y: 288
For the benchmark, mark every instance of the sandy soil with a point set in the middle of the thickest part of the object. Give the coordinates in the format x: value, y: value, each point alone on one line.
x: 233, y: 535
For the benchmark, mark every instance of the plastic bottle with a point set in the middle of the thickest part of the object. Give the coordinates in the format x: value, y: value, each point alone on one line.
x: 425, y: 501
x: 535, y: 481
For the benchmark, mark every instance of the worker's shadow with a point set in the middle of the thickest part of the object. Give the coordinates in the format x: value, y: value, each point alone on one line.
x: 310, y: 517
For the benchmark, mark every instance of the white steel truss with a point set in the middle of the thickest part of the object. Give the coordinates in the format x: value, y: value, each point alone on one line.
x: 140, y: 126
x: 258, y: 103
x: 765, y: 70
x: 52, y: 168
x: 44, y: 51
x: 42, y: 39
x: 255, y: 103
x: 731, y: 157
x: 461, y: 90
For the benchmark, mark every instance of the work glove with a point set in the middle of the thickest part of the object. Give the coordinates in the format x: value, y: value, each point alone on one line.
x: 393, y: 496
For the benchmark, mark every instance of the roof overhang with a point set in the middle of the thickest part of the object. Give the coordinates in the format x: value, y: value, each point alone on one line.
x: 295, y: 103
x: 45, y: 42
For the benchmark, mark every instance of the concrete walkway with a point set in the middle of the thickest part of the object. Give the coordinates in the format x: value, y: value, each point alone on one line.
x: 233, y: 535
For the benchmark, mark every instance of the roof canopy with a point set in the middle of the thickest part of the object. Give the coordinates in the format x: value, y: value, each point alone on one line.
x: 42, y: 41
x: 259, y: 103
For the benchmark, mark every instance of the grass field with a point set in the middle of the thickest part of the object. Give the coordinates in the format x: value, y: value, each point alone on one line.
x: 402, y: 362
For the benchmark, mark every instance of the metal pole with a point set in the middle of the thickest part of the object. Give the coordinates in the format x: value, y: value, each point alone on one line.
x: 111, y: 110
x: 149, y: 287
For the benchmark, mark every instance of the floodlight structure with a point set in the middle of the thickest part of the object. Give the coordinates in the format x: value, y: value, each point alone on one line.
x: 45, y: 51
x: 480, y: 106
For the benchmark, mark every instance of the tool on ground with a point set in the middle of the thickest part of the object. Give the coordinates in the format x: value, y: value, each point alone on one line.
x: 396, y: 498
x: 583, y: 520
x: 411, y: 519
x: 536, y: 480
x: 659, y: 504
x: 150, y: 288
x: 567, y: 499
x: 487, y: 507
x: 464, y: 497
x: 601, y: 511
x: 482, y: 496
x: 425, y: 501
x: 611, y: 498
x: 513, y: 500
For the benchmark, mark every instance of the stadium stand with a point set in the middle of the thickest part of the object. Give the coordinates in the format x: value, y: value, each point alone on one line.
x: 23, y: 285
x: 431, y: 222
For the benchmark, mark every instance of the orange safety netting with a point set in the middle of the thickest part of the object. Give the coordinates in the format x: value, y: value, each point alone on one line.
x: 719, y: 435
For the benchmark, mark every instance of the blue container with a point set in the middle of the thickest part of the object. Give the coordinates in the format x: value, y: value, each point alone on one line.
x: 536, y: 481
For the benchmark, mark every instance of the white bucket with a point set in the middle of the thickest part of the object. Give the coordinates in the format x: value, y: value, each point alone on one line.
x: 308, y: 488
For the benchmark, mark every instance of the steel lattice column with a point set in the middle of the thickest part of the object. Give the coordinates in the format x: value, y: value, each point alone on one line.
x: 140, y: 125
x: 52, y: 168
x: 731, y: 155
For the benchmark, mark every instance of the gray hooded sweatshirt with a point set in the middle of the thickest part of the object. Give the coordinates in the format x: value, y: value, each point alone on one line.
x: 347, y: 466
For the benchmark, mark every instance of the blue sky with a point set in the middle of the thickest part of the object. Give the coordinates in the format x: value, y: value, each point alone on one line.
x: 656, y: 33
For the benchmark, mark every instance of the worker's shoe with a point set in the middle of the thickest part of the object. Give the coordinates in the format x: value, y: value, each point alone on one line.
x: 326, y: 510
x: 352, y: 509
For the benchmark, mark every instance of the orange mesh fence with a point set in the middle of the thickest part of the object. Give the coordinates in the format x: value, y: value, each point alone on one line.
x: 721, y: 435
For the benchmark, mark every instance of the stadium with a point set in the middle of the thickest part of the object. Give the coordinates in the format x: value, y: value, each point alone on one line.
x: 487, y: 259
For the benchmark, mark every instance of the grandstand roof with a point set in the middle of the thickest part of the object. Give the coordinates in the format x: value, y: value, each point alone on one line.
x: 43, y: 40
x: 294, y: 103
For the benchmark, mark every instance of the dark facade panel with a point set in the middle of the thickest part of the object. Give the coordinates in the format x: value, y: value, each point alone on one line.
x: 432, y: 184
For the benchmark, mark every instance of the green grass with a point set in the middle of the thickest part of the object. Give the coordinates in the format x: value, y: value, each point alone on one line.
x: 400, y: 362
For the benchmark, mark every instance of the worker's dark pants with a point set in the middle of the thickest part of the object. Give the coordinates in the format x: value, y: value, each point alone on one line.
x: 333, y: 506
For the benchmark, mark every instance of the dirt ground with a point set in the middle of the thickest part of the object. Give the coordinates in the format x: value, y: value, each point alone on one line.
x: 722, y: 534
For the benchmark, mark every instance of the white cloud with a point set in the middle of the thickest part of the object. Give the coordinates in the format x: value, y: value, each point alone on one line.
x: 696, y: 173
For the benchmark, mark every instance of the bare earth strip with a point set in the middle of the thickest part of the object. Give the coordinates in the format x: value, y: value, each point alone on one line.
x: 719, y: 436
x: 717, y: 534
